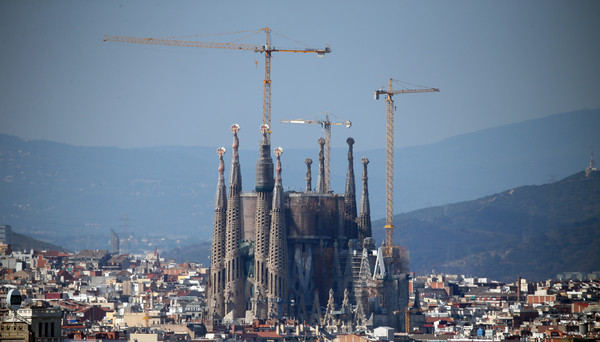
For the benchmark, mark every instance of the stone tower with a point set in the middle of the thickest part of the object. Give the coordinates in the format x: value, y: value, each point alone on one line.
x: 364, y: 220
x: 264, y: 199
x: 217, y: 274
x: 350, y: 196
x: 278, y: 251
x: 234, y: 296
x: 321, y: 180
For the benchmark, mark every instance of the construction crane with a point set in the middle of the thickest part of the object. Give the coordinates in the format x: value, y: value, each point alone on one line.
x: 389, y: 164
x: 267, y: 49
x: 326, y: 126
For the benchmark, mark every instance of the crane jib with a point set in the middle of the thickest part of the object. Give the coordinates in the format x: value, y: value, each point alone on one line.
x: 267, y: 48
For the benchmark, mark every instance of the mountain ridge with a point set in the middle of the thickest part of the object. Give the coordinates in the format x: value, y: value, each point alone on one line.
x: 533, y: 231
x: 536, y: 231
x: 56, y: 192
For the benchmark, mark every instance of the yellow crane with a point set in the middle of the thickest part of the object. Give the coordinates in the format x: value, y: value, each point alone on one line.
x: 326, y: 126
x: 389, y: 164
x: 267, y: 49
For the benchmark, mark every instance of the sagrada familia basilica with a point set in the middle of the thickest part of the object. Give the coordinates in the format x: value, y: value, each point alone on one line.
x: 306, y: 255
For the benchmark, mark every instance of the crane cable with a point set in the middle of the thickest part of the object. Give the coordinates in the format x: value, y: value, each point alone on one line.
x: 402, y: 84
x: 253, y: 32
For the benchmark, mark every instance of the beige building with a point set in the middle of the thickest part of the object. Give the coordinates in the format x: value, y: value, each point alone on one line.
x: 142, y: 319
x: 15, y: 331
x: 35, y: 324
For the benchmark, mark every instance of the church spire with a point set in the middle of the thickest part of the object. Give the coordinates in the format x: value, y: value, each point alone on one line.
x: 278, y: 254
x: 234, y: 299
x: 364, y: 221
x: 262, y: 220
x: 350, y: 196
x: 217, y: 284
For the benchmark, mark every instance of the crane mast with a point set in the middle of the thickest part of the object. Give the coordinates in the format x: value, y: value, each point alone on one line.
x: 389, y: 162
x: 267, y: 49
x: 267, y: 84
x: 326, y: 125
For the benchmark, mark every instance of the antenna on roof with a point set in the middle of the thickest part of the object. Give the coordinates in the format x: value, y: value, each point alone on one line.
x: 592, y: 165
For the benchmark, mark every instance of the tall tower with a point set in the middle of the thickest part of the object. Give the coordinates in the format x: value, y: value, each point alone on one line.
x: 278, y: 251
x: 591, y: 166
x: 5, y: 239
x: 364, y: 220
x: 114, y: 242
x: 217, y: 272
x: 234, y: 296
x: 321, y: 180
x: 350, y: 196
x: 264, y: 194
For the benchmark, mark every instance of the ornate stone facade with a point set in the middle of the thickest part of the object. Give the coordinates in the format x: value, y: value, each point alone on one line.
x: 280, y: 254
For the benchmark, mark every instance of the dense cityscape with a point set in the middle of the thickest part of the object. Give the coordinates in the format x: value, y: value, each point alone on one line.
x: 492, y: 234
x: 305, y: 267
x: 96, y: 295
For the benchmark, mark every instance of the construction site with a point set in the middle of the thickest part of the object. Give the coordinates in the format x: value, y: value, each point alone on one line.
x: 307, y: 255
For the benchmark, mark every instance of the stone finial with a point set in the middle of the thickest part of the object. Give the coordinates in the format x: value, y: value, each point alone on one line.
x: 264, y: 128
x: 235, y: 178
x: 350, y: 142
x: 235, y: 128
x: 278, y: 189
x: 278, y: 152
x: 221, y: 152
x: 308, y: 162
x: 221, y: 199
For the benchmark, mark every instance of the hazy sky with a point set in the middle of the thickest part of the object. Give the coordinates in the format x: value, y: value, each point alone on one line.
x: 496, y: 62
